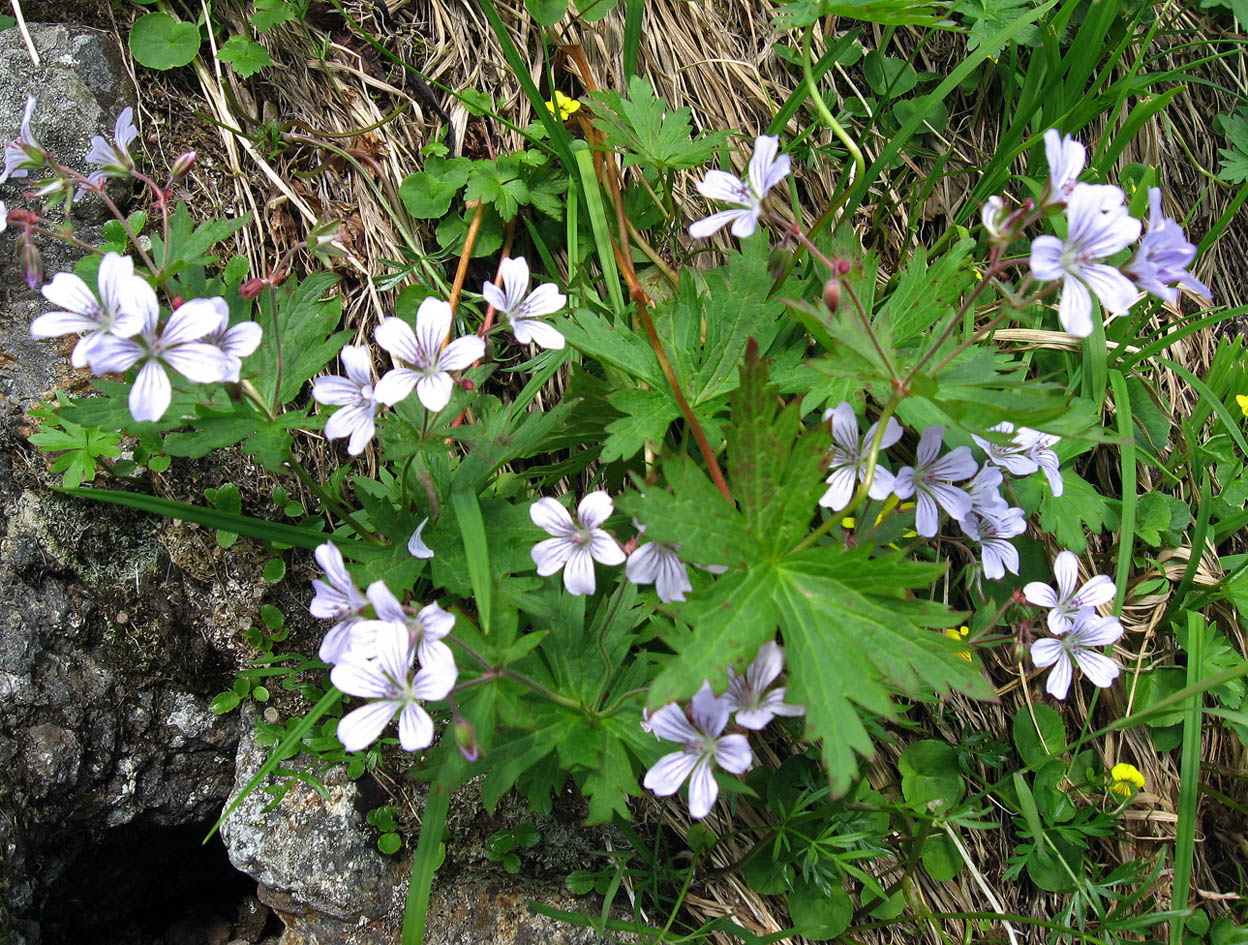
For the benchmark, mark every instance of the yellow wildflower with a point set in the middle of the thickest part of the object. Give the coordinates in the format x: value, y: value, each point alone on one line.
x: 564, y: 106
x: 1127, y: 779
x: 958, y: 634
x: 1242, y: 400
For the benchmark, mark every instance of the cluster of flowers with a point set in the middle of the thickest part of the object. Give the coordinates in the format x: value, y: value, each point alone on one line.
x: 700, y: 730
x: 424, y: 359
x: 376, y: 658
x: 1098, y: 226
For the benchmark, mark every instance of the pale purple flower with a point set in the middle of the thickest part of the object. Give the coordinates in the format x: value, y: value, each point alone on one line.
x: 126, y: 304
x: 659, y: 563
x: 1082, y: 645
x: 425, y: 630
x: 930, y: 480
x: 765, y: 171
x: 356, y: 396
x: 1041, y: 450
x: 431, y: 363
x: 23, y: 154
x: 993, y: 216
x: 985, y: 492
x: 703, y: 749
x: 523, y: 308
x: 176, y: 345
x: 993, y: 531
x: 1066, y: 159
x: 336, y: 598
x: 748, y: 695
x: 416, y: 546
x: 113, y: 158
x: 388, y: 682
x: 1163, y: 256
x: 1098, y: 226
x: 577, y: 544
x: 1012, y: 455
x: 1065, y: 603
x: 237, y: 342
x: 848, y: 464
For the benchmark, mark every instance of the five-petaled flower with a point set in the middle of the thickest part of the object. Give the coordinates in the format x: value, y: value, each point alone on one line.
x: 659, y: 563
x: 1066, y: 602
x: 563, y: 106
x: 125, y: 306
x: 930, y: 480
x: 355, y: 394
x: 1066, y: 159
x: 748, y: 695
x: 388, y: 682
x: 704, y: 748
x: 236, y: 341
x: 523, y: 308
x: 1080, y: 646
x: 1163, y: 256
x: 847, y: 464
x: 577, y: 544
x: 423, y: 349
x: 1099, y: 226
x: 424, y: 631
x: 765, y: 171
x: 336, y: 598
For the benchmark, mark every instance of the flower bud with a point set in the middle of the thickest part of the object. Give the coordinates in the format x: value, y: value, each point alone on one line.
x: 779, y: 261
x: 22, y: 217
x: 994, y: 217
x: 251, y: 288
x: 832, y: 294
x: 465, y: 739
x: 182, y: 166
x: 30, y: 260
x: 323, y: 241
x: 466, y: 384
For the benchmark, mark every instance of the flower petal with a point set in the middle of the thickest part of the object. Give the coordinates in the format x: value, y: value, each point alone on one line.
x: 670, y: 772
x: 703, y: 790
x: 397, y: 337
x: 578, y: 573
x: 552, y: 554
x: 548, y: 515
x: 434, y: 391
x: 359, y: 729
x: 433, y: 325
x: 669, y: 723
x: 595, y: 509
x: 460, y: 353
x: 151, y: 393
x: 395, y: 386
x: 415, y: 728
x: 732, y: 753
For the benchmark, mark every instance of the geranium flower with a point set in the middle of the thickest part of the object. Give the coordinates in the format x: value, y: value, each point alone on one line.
x: 765, y: 171
x: 176, y: 345
x: 659, y: 563
x: 848, y: 464
x: 703, y: 749
x: 126, y: 304
x: 1041, y: 450
x: 1012, y: 455
x: 356, y: 396
x: 993, y: 530
x: 388, y: 682
x: 1066, y: 602
x: 113, y: 158
x: 336, y: 598
x: 416, y: 546
x: 1066, y: 158
x: 985, y: 492
x: 1099, y: 226
x: 23, y: 154
x: 930, y: 480
x: 747, y: 695
x: 1081, y: 645
x: 431, y: 363
x: 424, y: 631
x: 1163, y: 256
x: 236, y: 342
x: 524, y: 308
x: 577, y: 544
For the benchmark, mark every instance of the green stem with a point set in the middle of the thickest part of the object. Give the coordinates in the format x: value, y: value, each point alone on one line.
x: 424, y: 863
x: 338, y: 508
x: 860, y: 166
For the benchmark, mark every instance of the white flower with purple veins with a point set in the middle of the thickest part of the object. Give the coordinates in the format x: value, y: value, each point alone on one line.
x: 704, y: 748
x: 1065, y: 603
x: 985, y: 492
x: 1098, y: 226
x: 178, y: 345
x: 1013, y: 455
x: 1041, y: 450
x: 236, y: 342
x: 848, y: 464
x: 993, y: 531
x: 356, y: 396
x: 425, y: 631
x: 388, y: 682
x: 930, y: 480
x: 125, y: 306
x: 523, y: 308
x: 336, y: 598
x: 1066, y: 159
x: 765, y: 171
x: 1080, y: 646
x: 431, y: 363
x: 659, y: 563
x: 577, y: 544
x: 113, y: 158
x: 416, y: 546
x: 23, y: 154
x: 1163, y: 256
x: 748, y: 696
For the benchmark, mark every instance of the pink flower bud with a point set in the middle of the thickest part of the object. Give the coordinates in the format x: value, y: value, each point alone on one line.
x: 251, y: 288
x: 182, y: 166
x: 31, y: 261
x: 465, y: 739
x: 832, y: 294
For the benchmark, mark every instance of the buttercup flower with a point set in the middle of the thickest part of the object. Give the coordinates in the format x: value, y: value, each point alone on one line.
x: 766, y: 170
x: 524, y: 308
x: 1066, y: 159
x: 848, y: 464
x: 1163, y: 256
x: 416, y: 546
x: 176, y: 345
x: 1066, y: 602
x: 387, y: 681
x: 113, y: 158
x: 356, y: 396
x: 235, y: 342
x: 1242, y: 400
x: 576, y: 545
x: 431, y: 363
x: 703, y: 749
x: 563, y: 106
x: 23, y: 154
x: 1099, y: 226
x: 1127, y: 779
x: 930, y: 480
x: 126, y: 304
x: 1081, y: 645
x: 747, y: 695
x: 957, y: 635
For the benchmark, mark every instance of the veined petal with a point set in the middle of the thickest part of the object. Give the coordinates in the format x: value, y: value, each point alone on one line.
x: 578, y: 573
x: 190, y: 321
x: 643, y: 564
x: 1116, y: 292
x: 360, y: 678
x: 720, y: 185
x: 605, y: 549
x: 669, y: 723
x: 702, y: 789
x: 331, y: 562
x: 670, y: 772
x: 435, y: 622
x: 531, y: 331
x: 494, y: 296
x: 358, y: 363
x: 199, y: 362
x: 1100, y: 669
x: 1066, y: 570
x: 360, y: 728
x: 70, y: 293
x: 1099, y: 590
x: 460, y: 353
x: 151, y: 393
x: 768, y: 663
x: 1046, y: 258
x: 1040, y: 594
x: 844, y: 427
x: 394, y: 650
x: 552, y: 554
x: 416, y: 546
x: 397, y: 337
x: 594, y: 509
x: 433, y: 325
x: 335, y: 391
x: 1092, y: 630
x: 362, y: 432
x: 415, y: 728
x: 434, y: 391
x: 243, y: 339
x: 709, y: 226
x: 1046, y: 652
x: 1060, y: 675
x: 55, y: 324
x: 346, y: 420
x: 111, y: 355
x: 672, y: 581
x: 395, y: 385
x: 435, y: 679
x: 710, y: 712
x: 732, y: 753
x: 548, y: 515
x: 514, y: 275
x: 546, y: 299
x: 840, y: 488
x: 746, y: 223
x: 385, y: 604
x: 929, y: 446
x: 1074, y: 309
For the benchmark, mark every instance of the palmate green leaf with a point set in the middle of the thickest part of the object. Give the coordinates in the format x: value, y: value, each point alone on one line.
x: 1080, y: 510
x: 1235, y: 158
x: 246, y: 55
x: 189, y: 244
x: 926, y: 294
x: 650, y: 132
x: 647, y: 416
x: 798, y: 14
x: 308, y: 315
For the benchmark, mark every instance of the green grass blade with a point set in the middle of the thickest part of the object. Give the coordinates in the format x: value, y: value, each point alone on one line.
x: 1031, y: 814
x: 425, y: 863
x: 258, y: 528
x: 1126, y: 535
x: 287, y: 748
x: 1212, y: 400
x: 634, y: 17
x: 598, y: 222
x: 476, y: 550
x: 1189, y: 775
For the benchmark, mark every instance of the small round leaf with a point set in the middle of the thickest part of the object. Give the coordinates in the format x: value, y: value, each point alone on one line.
x: 389, y: 843
x: 158, y: 41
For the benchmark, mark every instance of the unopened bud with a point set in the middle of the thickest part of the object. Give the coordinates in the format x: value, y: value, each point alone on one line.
x: 322, y: 241
x: 251, y: 288
x: 1020, y: 652
x: 465, y: 739
x: 779, y: 261
x: 832, y: 294
x: 993, y: 215
x: 466, y: 384
x: 843, y: 266
x: 182, y: 166
x: 22, y: 217
x: 31, y: 261
x: 177, y: 301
